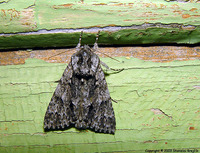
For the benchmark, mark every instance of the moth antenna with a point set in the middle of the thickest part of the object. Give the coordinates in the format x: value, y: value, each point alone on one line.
x: 56, y: 54
x: 79, y: 43
x: 95, y: 47
x: 108, y: 56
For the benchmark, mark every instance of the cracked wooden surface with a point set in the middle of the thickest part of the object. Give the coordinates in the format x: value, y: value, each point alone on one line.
x: 148, y: 94
x: 40, y: 23
x: 153, y: 53
x: 157, y: 93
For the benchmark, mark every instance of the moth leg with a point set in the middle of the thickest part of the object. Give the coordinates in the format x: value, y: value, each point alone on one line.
x: 113, y: 100
x: 79, y: 43
x: 95, y: 47
x: 108, y: 68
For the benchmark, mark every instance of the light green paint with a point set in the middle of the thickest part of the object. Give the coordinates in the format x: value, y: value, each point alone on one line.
x: 16, y: 4
x: 33, y: 15
x: 25, y: 91
x: 50, y: 14
x: 141, y: 12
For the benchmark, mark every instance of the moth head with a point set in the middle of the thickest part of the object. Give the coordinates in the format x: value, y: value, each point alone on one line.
x: 85, y: 62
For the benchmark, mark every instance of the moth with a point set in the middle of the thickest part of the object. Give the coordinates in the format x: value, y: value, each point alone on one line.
x: 81, y: 98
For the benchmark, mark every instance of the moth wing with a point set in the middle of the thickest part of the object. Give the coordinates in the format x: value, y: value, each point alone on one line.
x: 59, y: 113
x: 104, y: 117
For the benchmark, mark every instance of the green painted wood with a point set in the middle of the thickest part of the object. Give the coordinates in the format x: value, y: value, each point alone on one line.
x: 153, y: 22
x: 60, y: 14
x: 158, y: 108
x: 123, y: 37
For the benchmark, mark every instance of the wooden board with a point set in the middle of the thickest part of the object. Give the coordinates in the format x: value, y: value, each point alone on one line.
x: 41, y: 23
x: 157, y: 93
x: 158, y: 108
x: 150, y: 53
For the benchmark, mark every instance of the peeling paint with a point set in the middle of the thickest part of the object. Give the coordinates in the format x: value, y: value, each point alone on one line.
x: 62, y: 6
x: 184, y: 16
x: 33, y: 17
x: 159, y: 86
x: 191, y: 128
x: 61, y: 18
x: 155, y: 54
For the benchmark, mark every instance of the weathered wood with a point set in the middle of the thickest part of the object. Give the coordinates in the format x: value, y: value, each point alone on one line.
x: 44, y: 23
x: 158, y: 108
x: 158, y: 103
x: 154, y: 53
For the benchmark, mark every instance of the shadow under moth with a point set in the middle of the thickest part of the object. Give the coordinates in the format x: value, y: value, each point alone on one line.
x: 82, y: 99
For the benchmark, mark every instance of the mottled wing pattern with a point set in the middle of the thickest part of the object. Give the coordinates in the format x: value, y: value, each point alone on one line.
x: 62, y: 111
x: 104, y: 118
x: 59, y: 113
x: 81, y: 98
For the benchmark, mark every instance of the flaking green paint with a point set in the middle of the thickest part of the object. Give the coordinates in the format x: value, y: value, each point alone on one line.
x: 128, y: 36
x: 25, y: 91
x: 54, y: 15
x: 19, y: 16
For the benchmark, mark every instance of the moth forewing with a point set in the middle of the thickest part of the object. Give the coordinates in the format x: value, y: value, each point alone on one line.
x: 81, y: 98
